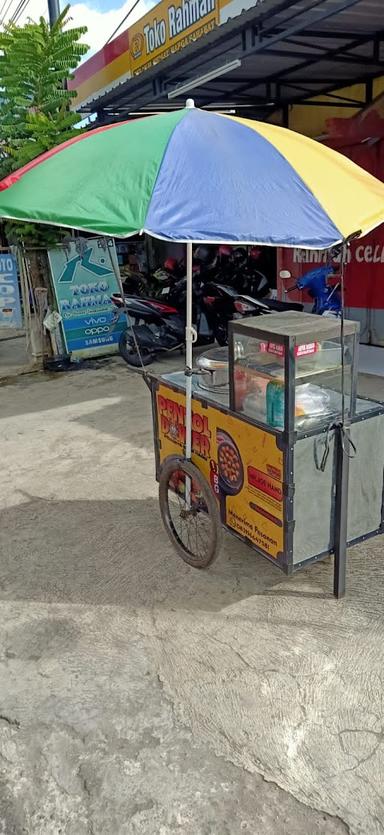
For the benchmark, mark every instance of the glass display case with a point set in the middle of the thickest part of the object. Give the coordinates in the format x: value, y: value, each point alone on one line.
x: 287, y: 371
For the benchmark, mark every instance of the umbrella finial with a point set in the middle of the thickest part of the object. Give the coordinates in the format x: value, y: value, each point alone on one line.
x: 189, y: 104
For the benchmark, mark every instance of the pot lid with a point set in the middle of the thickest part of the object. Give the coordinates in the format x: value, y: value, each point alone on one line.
x: 213, y: 360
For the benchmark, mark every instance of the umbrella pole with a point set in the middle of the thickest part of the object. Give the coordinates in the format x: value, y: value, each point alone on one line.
x: 190, y: 338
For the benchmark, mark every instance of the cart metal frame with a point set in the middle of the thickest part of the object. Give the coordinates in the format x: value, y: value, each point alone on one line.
x: 286, y: 442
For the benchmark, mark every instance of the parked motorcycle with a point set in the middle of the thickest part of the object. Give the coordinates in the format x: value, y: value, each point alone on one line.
x: 326, y: 298
x: 248, y: 277
x: 134, y: 283
x: 171, y: 270
x: 158, y: 325
x: 238, y: 267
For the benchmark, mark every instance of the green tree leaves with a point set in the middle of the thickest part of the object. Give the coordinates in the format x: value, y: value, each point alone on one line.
x: 36, y: 60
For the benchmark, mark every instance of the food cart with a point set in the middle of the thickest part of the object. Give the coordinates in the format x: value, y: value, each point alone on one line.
x: 270, y: 441
x: 193, y: 177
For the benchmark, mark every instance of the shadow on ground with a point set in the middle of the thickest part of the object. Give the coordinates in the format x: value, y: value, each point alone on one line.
x: 117, y: 553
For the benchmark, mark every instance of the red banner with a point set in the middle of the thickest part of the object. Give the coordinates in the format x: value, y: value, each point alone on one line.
x: 364, y: 275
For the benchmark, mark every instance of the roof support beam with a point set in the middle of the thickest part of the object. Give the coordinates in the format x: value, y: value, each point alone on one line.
x: 307, y: 62
x: 341, y: 58
x: 306, y: 23
x: 311, y: 94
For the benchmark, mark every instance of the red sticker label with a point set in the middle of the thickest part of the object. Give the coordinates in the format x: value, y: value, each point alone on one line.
x: 264, y: 483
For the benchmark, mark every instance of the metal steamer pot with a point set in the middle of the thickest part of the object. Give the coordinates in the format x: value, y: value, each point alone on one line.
x: 213, y: 367
x: 213, y: 370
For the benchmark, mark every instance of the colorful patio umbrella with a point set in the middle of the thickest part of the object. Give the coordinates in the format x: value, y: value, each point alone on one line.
x: 196, y: 176
x: 192, y: 176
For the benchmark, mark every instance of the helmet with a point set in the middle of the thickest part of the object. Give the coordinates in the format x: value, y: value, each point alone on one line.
x: 224, y: 251
x: 170, y: 265
x: 255, y: 252
x: 239, y: 253
x: 203, y: 254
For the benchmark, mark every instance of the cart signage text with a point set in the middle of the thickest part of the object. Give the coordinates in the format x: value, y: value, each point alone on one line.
x: 172, y: 425
x: 241, y: 462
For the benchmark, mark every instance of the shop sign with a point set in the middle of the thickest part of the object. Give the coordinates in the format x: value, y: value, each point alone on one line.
x: 84, y: 280
x: 10, y: 307
x: 364, y: 271
x: 169, y: 28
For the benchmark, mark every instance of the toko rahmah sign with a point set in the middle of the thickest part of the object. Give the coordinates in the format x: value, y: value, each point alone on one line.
x: 84, y: 280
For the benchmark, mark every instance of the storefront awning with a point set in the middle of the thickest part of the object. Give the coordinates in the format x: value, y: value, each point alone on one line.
x: 277, y: 53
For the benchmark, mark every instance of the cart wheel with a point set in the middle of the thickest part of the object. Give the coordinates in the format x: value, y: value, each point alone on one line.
x: 193, y: 527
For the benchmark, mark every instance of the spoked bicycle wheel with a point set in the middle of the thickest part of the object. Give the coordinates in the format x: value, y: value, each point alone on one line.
x: 189, y: 512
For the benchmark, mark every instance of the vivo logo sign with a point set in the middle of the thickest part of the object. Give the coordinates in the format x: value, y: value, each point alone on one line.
x: 96, y: 320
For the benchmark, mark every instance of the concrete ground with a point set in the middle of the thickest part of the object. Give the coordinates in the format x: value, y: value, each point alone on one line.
x: 14, y: 357
x: 138, y: 696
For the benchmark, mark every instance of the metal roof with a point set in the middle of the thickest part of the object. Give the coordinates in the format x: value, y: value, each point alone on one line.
x: 289, y: 51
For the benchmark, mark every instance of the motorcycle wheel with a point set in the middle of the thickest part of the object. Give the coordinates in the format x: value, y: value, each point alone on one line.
x: 193, y: 527
x: 128, y: 352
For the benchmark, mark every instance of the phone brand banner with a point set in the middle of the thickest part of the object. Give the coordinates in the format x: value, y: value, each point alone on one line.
x: 10, y: 308
x: 84, y: 282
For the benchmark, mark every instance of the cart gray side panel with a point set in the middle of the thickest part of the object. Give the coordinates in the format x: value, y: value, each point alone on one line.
x: 313, y: 505
x: 366, y: 477
x: 314, y: 490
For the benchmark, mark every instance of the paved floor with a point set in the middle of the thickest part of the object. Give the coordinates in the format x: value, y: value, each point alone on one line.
x: 14, y: 358
x: 140, y: 696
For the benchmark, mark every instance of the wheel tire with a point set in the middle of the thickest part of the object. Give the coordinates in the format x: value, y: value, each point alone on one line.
x: 131, y: 356
x: 172, y: 465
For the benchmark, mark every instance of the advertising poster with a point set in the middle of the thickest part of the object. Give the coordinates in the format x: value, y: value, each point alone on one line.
x: 10, y: 307
x: 84, y: 282
x: 241, y: 462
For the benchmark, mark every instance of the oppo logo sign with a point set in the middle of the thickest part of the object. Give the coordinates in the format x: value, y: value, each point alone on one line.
x: 94, y: 331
